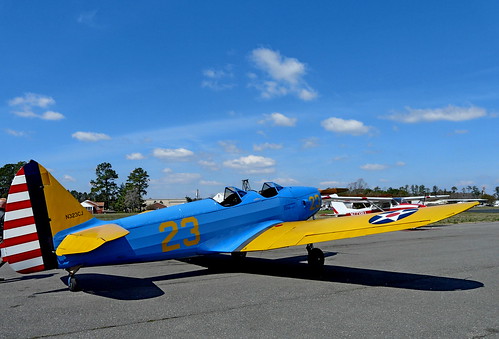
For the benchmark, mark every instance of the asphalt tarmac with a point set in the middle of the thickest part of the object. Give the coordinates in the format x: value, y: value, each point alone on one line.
x: 437, y: 282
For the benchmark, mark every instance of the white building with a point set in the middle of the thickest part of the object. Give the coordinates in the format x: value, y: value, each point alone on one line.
x: 165, y: 201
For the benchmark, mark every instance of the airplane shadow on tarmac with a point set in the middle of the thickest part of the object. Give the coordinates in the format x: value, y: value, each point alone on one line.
x: 26, y: 277
x: 128, y: 288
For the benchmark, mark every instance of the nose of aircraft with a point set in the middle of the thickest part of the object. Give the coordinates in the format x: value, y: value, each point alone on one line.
x: 314, y: 201
x: 309, y: 201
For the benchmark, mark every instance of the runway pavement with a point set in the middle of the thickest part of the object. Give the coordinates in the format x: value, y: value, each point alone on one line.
x: 438, y: 282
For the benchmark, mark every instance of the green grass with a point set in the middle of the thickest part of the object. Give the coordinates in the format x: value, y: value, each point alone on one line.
x: 113, y: 216
x: 468, y: 216
x: 479, y: 214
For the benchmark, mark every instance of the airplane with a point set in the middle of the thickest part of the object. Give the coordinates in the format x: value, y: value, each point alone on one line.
x: 426, y: 200
x: 348, y: 206
x: 46, y: 228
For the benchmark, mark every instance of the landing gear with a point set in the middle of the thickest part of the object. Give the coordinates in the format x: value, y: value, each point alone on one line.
x: 72, y: 282
x: 238, y: 257
x: 315, y: 257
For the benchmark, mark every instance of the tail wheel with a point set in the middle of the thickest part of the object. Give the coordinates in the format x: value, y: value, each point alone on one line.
x: 72, y: 282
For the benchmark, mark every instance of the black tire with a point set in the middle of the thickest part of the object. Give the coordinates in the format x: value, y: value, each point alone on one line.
x: 238, y: 257
x: 316, y: 258
x: 72, y: 284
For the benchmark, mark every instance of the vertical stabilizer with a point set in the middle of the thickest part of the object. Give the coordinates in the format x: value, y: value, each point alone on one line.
x: 37, y: 208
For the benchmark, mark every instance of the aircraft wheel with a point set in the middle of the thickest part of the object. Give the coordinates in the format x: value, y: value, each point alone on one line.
x: 72, y: 283
x: 238, y: 255
x: 237, y: 259
x: 316, y: 258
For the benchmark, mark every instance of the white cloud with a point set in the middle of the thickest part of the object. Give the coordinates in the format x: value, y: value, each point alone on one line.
x: 278, y: 67
x: 307, y: 94
x: 172, y: 177
x: 400, y: 163
x: 51, y: 115
x: 90, y: 136
x: 283, y: 75
x: 252, y: 164
x: 465, y: 183
x: 68, y: 178
x: 135, y: 156
x: 373, y: 167
x: 449, y: 113
x: 210, y: 183
x: 31, y: 101
x: 229, y: 146
x: 209, y: 164
x: 27, y: 113
x: 265, y: 146
x: 286, y: 181
x: 88, y: 18
x: 218, y: 79
x: 267, y: 170
x: 270, y: 89
x: 15, y: 133
x: 338, y: 125
x: 310, y: 142
x: 181, y: 178
x: 172, y: 153
x: 331, y: 184
x: 279, y: 119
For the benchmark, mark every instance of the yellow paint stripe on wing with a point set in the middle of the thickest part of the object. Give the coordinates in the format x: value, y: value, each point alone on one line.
x: 90, y: 239
x: 314, y: 231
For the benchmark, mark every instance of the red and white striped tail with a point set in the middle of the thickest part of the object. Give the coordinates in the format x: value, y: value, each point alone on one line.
x: 21, y: 246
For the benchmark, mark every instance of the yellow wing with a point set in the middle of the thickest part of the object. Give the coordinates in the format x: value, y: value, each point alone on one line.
x: 313, y: 231
x: 90, y: 239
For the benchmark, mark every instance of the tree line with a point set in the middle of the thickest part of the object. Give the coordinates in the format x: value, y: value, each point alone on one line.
x: 360, y: 188
x: 128, y: 196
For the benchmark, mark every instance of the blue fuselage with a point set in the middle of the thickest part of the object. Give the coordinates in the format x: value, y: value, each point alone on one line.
x: 195, y: 228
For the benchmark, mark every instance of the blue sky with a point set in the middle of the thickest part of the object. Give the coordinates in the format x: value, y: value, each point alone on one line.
x: 202, y: 94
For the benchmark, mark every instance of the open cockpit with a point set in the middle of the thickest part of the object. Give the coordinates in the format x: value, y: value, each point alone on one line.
x: 233, y: 195
x: 270, y: 189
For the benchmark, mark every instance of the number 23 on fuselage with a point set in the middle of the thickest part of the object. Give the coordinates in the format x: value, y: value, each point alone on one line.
x: 207, y: 226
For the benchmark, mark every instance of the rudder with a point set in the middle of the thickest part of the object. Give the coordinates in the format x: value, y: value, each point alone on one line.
x: 38, y: 207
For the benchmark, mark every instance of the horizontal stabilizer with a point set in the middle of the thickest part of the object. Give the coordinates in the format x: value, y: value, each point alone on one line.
x: 89, y: 239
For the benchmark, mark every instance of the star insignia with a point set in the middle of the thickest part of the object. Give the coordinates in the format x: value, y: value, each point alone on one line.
x: 387, y: 217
